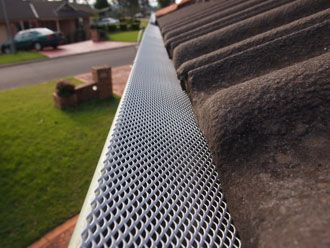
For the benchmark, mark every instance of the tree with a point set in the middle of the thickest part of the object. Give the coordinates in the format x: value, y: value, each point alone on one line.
x: 101, y: 4
x: 164, y: 3
x: 144, y: 6
x: 128, y: 3
x: 129, y: 7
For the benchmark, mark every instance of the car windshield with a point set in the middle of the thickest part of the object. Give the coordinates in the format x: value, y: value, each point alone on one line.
x: 18, y: 35
x: 33, y: 32
x: 44, y: 31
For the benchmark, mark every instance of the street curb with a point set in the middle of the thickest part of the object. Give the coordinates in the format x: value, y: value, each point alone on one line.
x: 61, y: 57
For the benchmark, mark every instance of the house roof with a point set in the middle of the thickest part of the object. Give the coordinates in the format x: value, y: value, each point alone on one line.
x: 167, y: 10
x: 44, y: 10
x: 257, y: 73
x: 60, y: 10
x: 218, y: 20
x: 173, y: 7
x: 17, y: 10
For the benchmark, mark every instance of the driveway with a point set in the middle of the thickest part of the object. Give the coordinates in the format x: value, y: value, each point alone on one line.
x: 42, y: 71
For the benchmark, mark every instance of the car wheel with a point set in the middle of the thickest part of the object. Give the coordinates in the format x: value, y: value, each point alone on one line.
x: 55, y: 47
x: 38, y: 46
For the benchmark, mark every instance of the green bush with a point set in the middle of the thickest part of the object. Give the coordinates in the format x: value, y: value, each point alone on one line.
x: 79, y: 35
x: 129, y: 20
x: 135, y: 26
x: 137, y: 21
x: 103, y: 34
x: 123, y: 26
x: 93, y: 26
x: 112, y: 28
x: 65, y: 89
x: 102, y: 29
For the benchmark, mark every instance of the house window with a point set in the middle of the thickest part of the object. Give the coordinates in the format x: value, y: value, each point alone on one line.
x: 26, y: 25
x: 19, y: 27
x: 79, y: 22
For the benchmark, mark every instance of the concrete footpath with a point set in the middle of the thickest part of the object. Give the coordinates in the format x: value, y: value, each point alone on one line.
x: 84, y: 47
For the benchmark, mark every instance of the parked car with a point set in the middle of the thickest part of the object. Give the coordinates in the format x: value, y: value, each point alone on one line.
x: 107, y: 21
x: 34, y: 38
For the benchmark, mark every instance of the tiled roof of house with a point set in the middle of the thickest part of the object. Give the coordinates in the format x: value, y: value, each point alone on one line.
x: 60, y: 10
x: 173, y: 7
x: 258, y: 76
x: 44, y: 10
x: 16, y: 10
x: 167, y: 10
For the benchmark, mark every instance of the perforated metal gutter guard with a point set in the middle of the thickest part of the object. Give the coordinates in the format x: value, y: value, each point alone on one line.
x: 155, y: 184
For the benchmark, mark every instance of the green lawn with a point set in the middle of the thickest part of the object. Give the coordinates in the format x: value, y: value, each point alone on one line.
x: 19, y: 57
x: 127, y: 36
x: 124, y: 36
x: 47, y: 159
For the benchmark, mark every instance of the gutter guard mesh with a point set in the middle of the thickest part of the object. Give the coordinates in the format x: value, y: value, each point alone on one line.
x: 159, y: 187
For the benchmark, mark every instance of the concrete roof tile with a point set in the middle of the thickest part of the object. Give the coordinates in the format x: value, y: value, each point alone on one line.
x: 259, y: 86
x: 251, y: 42
x: 246, y: 28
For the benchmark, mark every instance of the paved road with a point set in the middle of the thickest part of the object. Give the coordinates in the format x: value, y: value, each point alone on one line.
x: 37, y: 72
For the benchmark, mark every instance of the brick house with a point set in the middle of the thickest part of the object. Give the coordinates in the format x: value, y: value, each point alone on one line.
x: 20, y: 16
x: 72, y: 19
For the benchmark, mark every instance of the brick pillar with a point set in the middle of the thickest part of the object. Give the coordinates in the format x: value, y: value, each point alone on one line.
x: 95, y: 35
x: 103, y: 79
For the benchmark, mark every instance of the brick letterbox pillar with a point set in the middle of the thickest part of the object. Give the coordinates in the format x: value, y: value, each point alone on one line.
x: 103, y: 79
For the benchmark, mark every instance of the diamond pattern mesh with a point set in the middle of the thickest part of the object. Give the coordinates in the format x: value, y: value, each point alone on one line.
x: 159, y: 187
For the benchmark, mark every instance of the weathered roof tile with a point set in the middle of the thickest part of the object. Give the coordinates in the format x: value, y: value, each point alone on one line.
x: 17, y: 10
x: 219, y: 20
x: 246, y: 28
x: 270, y: 138
x: 251, y: 42
x: 258, y: 80
x: 261, y: 59
x: 194, y: 13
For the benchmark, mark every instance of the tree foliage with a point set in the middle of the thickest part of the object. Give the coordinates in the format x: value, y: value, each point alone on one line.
x: 129, y: 7
x: 128, y: 3
x: 101, y: 4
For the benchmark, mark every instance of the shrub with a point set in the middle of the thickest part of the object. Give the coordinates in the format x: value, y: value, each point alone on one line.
x: 102, y: 29
x: 103, y: 34
x: 69, y: 38
x: 112, y: 28
x: 137, y: 21
x: 126, y: 19
x: 65, y: 89
x: 93, y: 26
x: 123, y: 26
x: 129, y: 20
x: 79, y: 35
x: 135, y: 25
